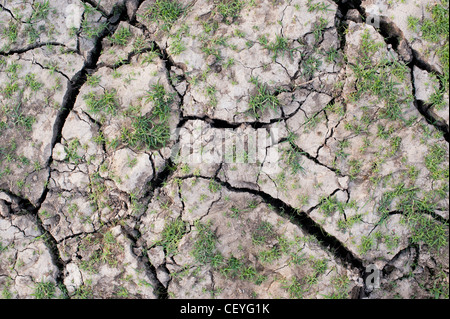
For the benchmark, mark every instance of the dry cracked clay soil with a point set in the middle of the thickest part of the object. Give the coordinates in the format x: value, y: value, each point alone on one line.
x: 224, y: 149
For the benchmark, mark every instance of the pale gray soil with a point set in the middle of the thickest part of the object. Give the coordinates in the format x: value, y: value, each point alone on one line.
x: 224, y: 149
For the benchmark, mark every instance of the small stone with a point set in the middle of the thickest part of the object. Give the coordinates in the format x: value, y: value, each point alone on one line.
x: 59, y: 153
x: 354, y: 15
x: 211, y: 59
x: 162, y: 276
x: 132, y: 6
x: 156, y: 256
x: 4, y: 209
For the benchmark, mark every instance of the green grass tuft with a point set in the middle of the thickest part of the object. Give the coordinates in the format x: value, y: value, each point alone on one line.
x: 165, y: 13
x: 205, y: 246
x: 106, y: 102
x: 152, y: 130
x: 121, y: 36
x: 230, y: 8
x: 44, y: 290
x: 380, y: 79
x: 262, y: 100
x: 172, y: 234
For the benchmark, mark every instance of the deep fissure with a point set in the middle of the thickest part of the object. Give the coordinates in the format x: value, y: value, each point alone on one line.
x: 300, y: 218
x: 305, y: 222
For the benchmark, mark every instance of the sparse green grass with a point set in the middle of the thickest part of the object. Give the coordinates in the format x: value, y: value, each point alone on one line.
x: 416, y: 208
x: 93, y: 80
x: 390, y: 240
x: 310, y: 66
x: 6, y: 293
x: 109, y: 246
x: 319, y: 266
x: 122, y: 36
x: 205, y: 246
x: 214, y: 186
x: 84, y: 291
x: 341, y: 285
x: 44, y: 290
x: 354, y: 168
x: 413, y: 23
x: 41, y: 11
x: 332, y: 54
x: 319, y: 28
x: 177, y: 47
x: 32, y: 83
x: 439, y: 289
x: 148, y: 133
x: 365, y: 245
x: 426, y: 230
x: 250, y: 273
x: 270, y: 255
x: 318, y: 6
x: 262, y: 100
x: 211, y: 94
x: 107, y: 253
x: 437, y: 27
x: 381, y: 79
x: 3, y: 248
x: 10, y: 88
x: 435, y: 162
x: 205, y: 252
x: 296, y: 288
x: 165, y: 13
x: 235, y: 268
x: 172, y: 234
x: 106, y: 102
x: 293, y: 159
x: 122, y: 292
x: 230, y: 9
x: 19, y: 119
x: 162, y: 101
x: 263, y: 231
x: 11, y: 31
x: 436, y: 30
x: 92, y: 30
x: 330, y: 205
x: 71, y: 150
x: 279, y: 46
x: 232, y: 267
x: 152, y: 130
x: 344, y: 224
x: 230, y: 62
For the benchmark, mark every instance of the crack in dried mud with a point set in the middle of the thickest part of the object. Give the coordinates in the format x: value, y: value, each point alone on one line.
x: 299, y: 218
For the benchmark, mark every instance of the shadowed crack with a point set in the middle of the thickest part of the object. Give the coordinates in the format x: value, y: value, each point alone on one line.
x: 76, y: 82
x: 309, y: 226
x: 425, y: 110
x: 159, y: 289
x: 310, y: 157
x: 36, y: 46
x: 301, y: 219
x: 23, y: 205
x: 394, y: 36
